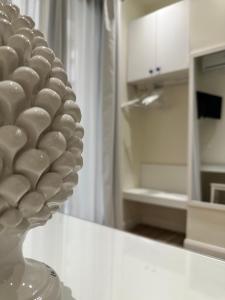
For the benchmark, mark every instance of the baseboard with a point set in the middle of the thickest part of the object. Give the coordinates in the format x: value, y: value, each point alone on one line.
x: 206, y: 249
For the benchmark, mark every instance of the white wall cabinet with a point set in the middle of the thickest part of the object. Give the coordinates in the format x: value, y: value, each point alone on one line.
x: 172, y: 43
x: 141, y: 48
x: 159, y: 43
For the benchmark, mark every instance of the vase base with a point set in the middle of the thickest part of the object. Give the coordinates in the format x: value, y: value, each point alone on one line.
x: 32, y: 281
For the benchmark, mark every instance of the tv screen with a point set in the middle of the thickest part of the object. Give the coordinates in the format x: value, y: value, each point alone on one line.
x: 209, y: 106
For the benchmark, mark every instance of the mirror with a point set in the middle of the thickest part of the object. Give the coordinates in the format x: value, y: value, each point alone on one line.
x: 210, y: 115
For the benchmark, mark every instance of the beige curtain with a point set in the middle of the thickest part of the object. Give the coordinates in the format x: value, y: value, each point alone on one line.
x: 111, y: 115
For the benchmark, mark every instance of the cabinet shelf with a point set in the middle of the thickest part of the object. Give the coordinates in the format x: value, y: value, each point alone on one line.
x: 156, y: 197
x: 213, y: 168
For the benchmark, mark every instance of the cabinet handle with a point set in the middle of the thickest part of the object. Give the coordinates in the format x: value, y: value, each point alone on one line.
x: 151, y: 71
x: 158, y: 69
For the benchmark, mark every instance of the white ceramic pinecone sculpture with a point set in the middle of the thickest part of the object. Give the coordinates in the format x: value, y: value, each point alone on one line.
x: 40, y: 134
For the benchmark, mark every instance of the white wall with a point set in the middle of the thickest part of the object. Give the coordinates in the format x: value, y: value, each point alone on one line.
x: 207, y: 19
x: 164, y: 135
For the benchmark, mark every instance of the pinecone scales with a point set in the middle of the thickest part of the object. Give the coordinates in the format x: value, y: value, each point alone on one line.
x: 40, y: 132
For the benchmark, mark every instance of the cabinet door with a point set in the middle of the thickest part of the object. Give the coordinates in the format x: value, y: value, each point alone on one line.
x: 172, y: 38
x: 141, y: 48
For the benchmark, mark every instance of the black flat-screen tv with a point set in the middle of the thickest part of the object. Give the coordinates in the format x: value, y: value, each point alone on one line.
x: 209, y: 106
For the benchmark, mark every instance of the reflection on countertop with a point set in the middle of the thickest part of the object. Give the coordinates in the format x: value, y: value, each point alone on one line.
x: 99, y: 263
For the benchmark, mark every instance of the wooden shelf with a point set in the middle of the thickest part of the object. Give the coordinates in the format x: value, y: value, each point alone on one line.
x: 156, y: 197
x: 213, y: 168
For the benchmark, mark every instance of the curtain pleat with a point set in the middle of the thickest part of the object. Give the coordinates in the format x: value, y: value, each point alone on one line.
x: 110, y: 113
x: 57, y: 27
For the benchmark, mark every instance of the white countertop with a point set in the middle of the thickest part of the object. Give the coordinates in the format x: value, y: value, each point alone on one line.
x: 99, y: 263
